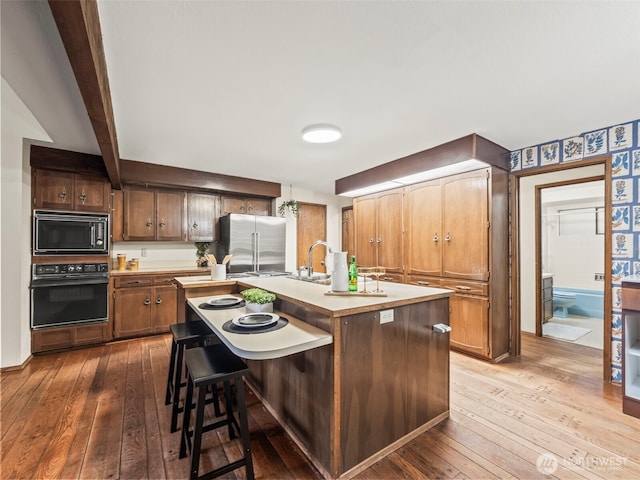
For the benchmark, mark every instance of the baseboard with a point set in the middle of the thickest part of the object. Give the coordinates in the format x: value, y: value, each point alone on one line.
x: 16, y: 367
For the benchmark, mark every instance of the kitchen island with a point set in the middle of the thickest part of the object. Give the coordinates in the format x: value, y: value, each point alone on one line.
x: 378, y: 378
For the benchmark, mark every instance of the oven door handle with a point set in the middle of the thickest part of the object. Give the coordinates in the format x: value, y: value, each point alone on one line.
x: 68, y: 282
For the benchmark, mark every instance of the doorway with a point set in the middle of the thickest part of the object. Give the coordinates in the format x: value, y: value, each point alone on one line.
x: 526, y: 281
x: 571, y: 252
x: 311, y: 226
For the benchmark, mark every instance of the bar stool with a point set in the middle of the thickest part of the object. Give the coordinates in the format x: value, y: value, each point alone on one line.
x: 207, y: 366
x: 185, y: 335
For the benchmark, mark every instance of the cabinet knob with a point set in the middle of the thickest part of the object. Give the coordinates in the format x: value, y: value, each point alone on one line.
x: 162, y: 223
x: 448, y: 237
x: 435, y: 237
x: 379, y: 239
x: 195, y: 225
x: 422, y: 282
x: 149, y: 223
x: 63, y: 193
x: 242, y: 207
x: 371, y: 240
x: 158, y: 301
x: 82, y: 196
x: 250, y: 208
x: 147, y: 301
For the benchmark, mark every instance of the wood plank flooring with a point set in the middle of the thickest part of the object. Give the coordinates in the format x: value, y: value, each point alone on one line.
x: 99, y: 413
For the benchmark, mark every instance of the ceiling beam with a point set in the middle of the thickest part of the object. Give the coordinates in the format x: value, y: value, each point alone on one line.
x: 79, y: 26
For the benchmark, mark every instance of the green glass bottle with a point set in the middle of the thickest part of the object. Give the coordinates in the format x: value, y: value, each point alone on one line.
x: 353, y: 275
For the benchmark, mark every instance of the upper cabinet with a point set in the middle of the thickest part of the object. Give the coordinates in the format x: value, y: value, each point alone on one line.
x: 201, y: 215
x: 153, y: 214
x: 248, y: 205
x: 60, y: 190
x: 378, y: 231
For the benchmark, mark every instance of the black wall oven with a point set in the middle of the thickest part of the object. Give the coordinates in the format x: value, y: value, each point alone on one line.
x: 70, y: 233
x: 69, y: 294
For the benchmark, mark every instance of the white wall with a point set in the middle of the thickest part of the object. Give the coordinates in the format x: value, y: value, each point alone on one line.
x: 18, y: 124
x: 527, y: 235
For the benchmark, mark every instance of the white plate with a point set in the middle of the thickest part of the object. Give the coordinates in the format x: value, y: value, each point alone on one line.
x: 224, y: 301
x: 255, y: 319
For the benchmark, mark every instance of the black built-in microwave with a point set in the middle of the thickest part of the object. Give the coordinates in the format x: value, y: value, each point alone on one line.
x: 70, y: 233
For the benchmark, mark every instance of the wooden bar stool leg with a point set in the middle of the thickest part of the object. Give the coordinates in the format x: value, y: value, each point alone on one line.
x: 244, y: 427
x: 184, y: 436
x: 176, y: 390
x: 197, y: 433
x: 172, y: 366
x: 229, y: 407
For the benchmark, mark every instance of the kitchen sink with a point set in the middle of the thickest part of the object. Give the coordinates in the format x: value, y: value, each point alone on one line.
x: 323, y: 278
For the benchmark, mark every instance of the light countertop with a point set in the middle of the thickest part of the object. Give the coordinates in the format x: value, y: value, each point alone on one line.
x: 297, y: 336
x: 144, y: 270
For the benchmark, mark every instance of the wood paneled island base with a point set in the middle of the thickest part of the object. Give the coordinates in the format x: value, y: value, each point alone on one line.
x: 377, y: 386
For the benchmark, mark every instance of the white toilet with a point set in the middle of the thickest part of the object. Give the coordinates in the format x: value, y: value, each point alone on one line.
x: 562, y: 301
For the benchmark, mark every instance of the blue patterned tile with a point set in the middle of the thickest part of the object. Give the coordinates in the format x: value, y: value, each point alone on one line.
x: 620, y: 137
x: 622, y: 190
x: 616, y: 298
x: 620, y: 269
x: 516, y: 160
x: 595, y: 143
x: 529, y: 157
x: 620, y: 218
x: 572, y: 149
x: 616, y: 351
x: 616, y: 374
x: 620, y: 164
x: 616, y: 326
x: 635, y: 162
x: 550, y: 153
x: 622, y: 245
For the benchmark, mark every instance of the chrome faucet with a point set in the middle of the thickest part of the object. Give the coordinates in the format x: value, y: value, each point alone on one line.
x: 313, y: 245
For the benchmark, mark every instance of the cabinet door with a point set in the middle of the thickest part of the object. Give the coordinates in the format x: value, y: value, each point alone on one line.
x: 133, y: 309
x: 258, y: 206
x: 423, y: 235
x: 232, y: 205
x: 165, y: 311
x: 201, y: 210
x: 465, y: 223
x: 389, y: 230
x: 469, y: 317
x: 170, y: 216
x: 53, y: 189
x: 364, y: 212
x: 139, y: 214
x: 91, y: 193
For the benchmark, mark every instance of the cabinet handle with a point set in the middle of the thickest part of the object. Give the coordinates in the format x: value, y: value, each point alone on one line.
x: 448, y: 237
x: 379, y: 239
x: 162, y: 223
x: 242, y: 207
x: 463, y: 287
x: 371, y: 240
x: 422, y: 282
x: 250, y: 208
x: 387, y: 278
x: 435, y: 237
x: 63, y: 193
x: 82, y: 196
x: 158, y: 301
x: 147, y: 301
x: 195, y: 225
x: 131, y: 282
x: 149, y: 222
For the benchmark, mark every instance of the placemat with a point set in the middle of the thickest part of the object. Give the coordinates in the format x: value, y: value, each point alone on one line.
x: 231, y: 327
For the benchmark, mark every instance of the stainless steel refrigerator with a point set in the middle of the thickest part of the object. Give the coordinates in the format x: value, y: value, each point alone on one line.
x: 257, y: 243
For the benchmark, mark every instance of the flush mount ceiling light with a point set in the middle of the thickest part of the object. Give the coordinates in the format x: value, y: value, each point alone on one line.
x: 321, y: 134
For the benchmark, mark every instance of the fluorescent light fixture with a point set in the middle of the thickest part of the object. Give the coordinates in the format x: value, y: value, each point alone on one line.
x: 321, y: 134
x: 460, y: 167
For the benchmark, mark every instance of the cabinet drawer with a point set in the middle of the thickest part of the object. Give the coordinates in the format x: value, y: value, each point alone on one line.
x: 630, y: 298
x: 465, y: 286
x: 391, y: 277
x: 424, y: 281
x: 133, y: 281
x: 547, y: 282
x: 166, y: 279
x: 547, y: 294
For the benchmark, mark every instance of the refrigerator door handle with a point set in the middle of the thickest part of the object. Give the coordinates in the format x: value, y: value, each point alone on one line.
x: 257, y: 250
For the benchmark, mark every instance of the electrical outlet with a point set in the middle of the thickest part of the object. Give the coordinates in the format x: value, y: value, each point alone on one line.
x: 143, y: 252
x: 386, y: 316
x: 598, y: 277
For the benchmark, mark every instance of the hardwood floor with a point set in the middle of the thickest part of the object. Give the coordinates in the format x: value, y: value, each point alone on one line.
x: 99, y: 413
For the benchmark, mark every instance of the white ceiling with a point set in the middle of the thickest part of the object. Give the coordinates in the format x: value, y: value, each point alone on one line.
x: 227, y: 86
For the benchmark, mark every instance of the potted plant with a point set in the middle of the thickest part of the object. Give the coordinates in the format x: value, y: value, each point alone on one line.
x: 201, y: 250
x: 292, y: 205
x: 258, y: 300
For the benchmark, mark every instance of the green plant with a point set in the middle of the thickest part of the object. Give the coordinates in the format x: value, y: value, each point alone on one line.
x: 258, y: 295
x: 201, y: 248
x: 292, y: 205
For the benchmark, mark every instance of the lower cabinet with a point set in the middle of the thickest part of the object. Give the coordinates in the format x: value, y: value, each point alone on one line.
x: 143, y: 305
x: 57, y: 338
x: 469, y: 319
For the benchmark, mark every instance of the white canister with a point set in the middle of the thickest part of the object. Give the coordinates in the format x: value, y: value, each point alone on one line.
x: 218, y: 272
x: 340, y: 273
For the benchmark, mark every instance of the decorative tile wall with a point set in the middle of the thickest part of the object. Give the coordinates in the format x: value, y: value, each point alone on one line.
x: 622, y: 142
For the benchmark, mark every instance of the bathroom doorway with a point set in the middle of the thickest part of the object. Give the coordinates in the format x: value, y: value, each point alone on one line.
x: 570, y: 218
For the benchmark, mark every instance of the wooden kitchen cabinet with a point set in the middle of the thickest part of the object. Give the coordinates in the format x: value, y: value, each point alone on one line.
x: 378, y: 231
x: 631, y: 347
x: 59, y: 338
x: 201, y: 215
x: 58, y: 190
x: 144, y: 304
x: 248, y: 205
x: 456, y: 230
x: 153, y: 214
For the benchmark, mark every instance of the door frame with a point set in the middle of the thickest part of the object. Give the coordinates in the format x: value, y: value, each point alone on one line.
x: 514, y: 206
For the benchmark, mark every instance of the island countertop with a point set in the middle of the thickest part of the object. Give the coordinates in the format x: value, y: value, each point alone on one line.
x: 295, y: 337
x: 312, y: 295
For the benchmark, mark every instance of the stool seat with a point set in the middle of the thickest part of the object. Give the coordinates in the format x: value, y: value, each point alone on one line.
x: 207, y: 366
x: 188, y: 332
